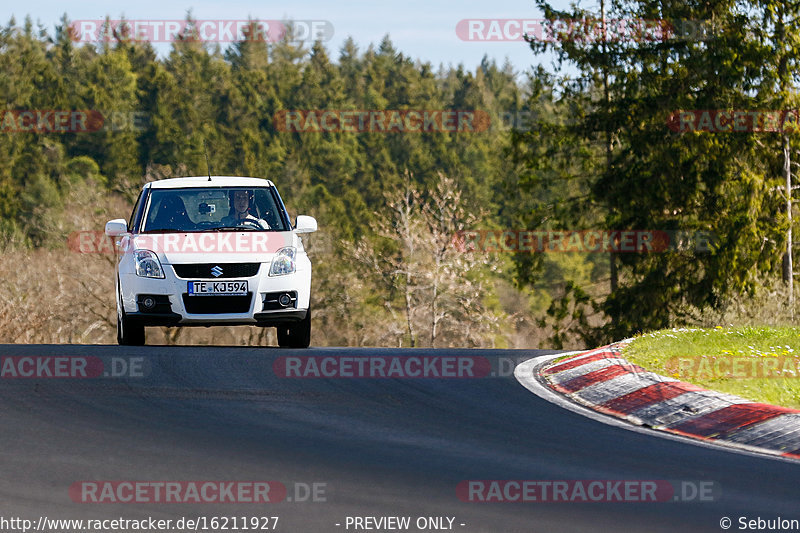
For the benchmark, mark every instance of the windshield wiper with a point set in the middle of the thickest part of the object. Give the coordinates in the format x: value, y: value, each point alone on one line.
x: 236, y: 228
x: 166, y: 230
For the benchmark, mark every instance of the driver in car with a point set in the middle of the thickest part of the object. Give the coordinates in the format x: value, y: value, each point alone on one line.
x: 243, y: 210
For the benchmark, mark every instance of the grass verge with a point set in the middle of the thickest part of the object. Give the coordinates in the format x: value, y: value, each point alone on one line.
x: 758, y: 363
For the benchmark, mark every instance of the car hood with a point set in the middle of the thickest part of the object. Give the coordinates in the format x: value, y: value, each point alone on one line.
x: 212, y: 247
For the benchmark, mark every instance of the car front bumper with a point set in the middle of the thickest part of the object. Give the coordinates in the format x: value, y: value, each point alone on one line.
x: 268, y: 319
x: 171, y: 293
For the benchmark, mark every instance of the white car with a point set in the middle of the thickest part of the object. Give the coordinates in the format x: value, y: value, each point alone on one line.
x: 212, y: 251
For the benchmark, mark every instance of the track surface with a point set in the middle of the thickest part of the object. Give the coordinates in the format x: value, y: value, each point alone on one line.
x: 382, y: 447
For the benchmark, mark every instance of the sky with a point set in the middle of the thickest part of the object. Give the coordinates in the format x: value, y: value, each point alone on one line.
x: 421, y: 29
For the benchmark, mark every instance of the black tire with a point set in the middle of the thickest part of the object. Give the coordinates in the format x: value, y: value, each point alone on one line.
x: 128, y: 334
x: 296, y: 335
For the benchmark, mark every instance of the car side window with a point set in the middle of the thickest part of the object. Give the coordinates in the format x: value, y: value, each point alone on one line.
x: 268, y: 208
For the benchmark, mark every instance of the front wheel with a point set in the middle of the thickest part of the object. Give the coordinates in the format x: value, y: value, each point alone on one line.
x: 128, y: 334
x: 296, y: 335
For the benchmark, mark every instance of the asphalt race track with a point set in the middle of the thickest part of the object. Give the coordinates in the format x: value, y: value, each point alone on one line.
x: 375, y: 447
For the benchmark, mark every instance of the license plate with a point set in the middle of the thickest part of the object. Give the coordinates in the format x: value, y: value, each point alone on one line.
x: 217, y: 288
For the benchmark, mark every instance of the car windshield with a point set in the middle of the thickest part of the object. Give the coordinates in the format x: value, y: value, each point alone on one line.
x: 213, y: 209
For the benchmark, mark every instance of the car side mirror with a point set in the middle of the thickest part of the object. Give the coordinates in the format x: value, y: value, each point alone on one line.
x: 116, y: 227
x: 305, y: 224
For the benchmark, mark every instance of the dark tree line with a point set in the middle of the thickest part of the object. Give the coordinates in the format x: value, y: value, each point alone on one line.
x: 591, y: 150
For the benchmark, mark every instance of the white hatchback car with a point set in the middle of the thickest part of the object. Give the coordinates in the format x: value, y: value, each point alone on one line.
x: 212, y: 251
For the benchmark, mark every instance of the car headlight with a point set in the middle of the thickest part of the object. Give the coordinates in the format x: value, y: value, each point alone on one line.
x: 147, y: 264
x: 283, y: 263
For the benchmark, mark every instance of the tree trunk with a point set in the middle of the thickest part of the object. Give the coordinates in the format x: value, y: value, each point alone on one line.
x: 788, y: 274
x: 611, y: 258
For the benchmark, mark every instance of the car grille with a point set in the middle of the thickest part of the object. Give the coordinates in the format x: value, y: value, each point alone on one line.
x: 229, y: 270
x: 209, y: 305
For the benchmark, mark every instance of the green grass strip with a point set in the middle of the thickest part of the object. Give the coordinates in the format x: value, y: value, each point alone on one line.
x: 757, y: 363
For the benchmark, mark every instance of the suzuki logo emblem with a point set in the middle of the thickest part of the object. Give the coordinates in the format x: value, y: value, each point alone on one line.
x: 216, y: 271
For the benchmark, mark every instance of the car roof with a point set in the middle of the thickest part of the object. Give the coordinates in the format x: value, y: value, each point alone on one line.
x: 214, y: 181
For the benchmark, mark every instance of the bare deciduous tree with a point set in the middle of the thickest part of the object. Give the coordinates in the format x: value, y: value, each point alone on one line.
x: 442, y: 289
